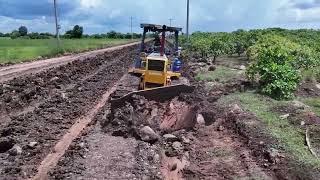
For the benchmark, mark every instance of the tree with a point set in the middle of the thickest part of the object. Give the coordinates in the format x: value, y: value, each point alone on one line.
x: 217, y: 48
x: 23, y: 31
x: 77, y: 31
x: 15, y: 34
x: 112, y: 34
x: 1, y: 34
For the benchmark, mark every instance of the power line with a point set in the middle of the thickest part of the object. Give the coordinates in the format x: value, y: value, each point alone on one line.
x: 57, y: 25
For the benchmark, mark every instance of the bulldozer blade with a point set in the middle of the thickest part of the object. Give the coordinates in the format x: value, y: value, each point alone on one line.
x: 156, y: 94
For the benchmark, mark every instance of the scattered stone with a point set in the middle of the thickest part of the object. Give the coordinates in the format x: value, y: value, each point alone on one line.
x: 185, y: 140
x: 221, y: 128
x: 54, y: 79
x: 303, y: 123
x: 15, y: 150
x: 318, y: 86
x: 242, y: 67
x: 63, y: 95
x: 156, y: 158
x: 212, y: 68
x: 235, y: 108
x: 200, y: 119
x: 6, y: 86
x: 148, y: 135
x: 81, y: 145
x: 154, y: 112
x: 283, y: 117
x: 32, y: 144
x: 299, y: 104
x: 170, y: 137
x: 177, y: 146
x: 272, y: 155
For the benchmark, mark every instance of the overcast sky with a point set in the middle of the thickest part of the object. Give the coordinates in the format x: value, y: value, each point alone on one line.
x: 100, y: 16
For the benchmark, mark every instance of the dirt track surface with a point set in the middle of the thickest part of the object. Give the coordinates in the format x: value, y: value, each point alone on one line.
x: 10, y: 72
x: 38, y: 110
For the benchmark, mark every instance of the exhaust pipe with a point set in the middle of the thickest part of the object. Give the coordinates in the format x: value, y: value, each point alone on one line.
x: 163, y: 40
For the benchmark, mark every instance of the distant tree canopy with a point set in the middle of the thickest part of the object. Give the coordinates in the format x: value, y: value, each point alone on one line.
x: 23, y: 30
x: 76, y: 32
x: 15, y: 34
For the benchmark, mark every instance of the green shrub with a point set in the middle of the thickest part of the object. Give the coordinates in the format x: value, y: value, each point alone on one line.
x: 277, y: 64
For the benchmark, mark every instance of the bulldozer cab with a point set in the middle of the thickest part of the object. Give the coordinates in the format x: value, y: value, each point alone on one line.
x: 155, y: 71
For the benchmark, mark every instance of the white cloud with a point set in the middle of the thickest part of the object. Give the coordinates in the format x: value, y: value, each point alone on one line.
x: 90, y: 3
x: 35, y: 25
x: 99, y: 16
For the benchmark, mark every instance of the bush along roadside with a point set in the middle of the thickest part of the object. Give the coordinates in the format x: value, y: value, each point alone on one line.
x: 277, y: 63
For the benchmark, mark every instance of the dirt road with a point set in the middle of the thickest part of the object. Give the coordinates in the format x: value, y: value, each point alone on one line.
x: 10, y: 72
x: 37, y: 110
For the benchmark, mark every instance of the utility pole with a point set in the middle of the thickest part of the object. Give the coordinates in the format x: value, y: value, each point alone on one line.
x: 170, y: 21
x: 131, y: 18
x: 57, y: 25
x: 188, y: 21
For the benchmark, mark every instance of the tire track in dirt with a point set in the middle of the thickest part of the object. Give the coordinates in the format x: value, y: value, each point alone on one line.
x: 47, y: 123
x: 52, y: 159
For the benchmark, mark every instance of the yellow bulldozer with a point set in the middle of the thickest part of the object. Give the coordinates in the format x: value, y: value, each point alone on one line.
x: 159, y: 75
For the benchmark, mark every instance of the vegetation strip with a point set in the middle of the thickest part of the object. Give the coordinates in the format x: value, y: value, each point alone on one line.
x: 10, y: 72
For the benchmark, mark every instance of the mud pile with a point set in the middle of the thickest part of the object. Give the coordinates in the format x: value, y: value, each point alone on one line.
x: 161, y: 117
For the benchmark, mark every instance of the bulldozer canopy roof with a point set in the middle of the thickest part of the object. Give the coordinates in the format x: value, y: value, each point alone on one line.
x: 160, y: 28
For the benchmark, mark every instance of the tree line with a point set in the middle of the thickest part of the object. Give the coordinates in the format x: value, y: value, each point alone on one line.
x: 76, y: 33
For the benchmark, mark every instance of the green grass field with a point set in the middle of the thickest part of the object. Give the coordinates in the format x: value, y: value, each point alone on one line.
x: 20, y: 50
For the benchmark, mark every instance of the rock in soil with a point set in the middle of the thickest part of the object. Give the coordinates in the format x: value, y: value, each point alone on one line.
x: 200, y: 119
x: 32, y: 144
x: 242, y: 67
x: 148, y: 135
x: 177, y: 146
x: 15, y: 150
x: 170, y: 137
x: 285, y: 116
